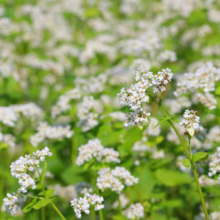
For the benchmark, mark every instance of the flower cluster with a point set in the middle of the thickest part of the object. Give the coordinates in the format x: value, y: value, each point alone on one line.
x: 8, y: 116
x: 66, y: 192
x: 190, y: 122
x: 29, y: 110
x: 203, y: 80
x: 214, y: 165
x: 63, y: 103
x: 94, y: 149
x: 46, y: 131
x: 113, y: 179
x: 83, y: 204
x: 21, y: 169
x: 13, y: 202
x: 87, y: 113
x: 139, y: 93
x: 8, y: 139
x: 135, y: 211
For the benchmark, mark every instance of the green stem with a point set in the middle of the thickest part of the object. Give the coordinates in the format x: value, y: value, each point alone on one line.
x: 101, y: 215
x: 200, y: 193
x: 190, y: 149
x: 43, y: 214
x: 193, y: 167
x: 177, y: 133
x: 92, y: 213
x: 58, y: 211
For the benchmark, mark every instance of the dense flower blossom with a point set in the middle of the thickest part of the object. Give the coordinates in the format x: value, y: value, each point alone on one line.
x: 50, y: 132
x: 13, y: 202
x: 190, y: 122
x: 66, y: 192
x: 8, y: 116
x: 202, y: 80
x: 115, y: 179
x: 63, y: 103
x: 83, y: 204
x: 87, y: 113
x: 137, y: 94
x: 135, y: 211
x: 94, y: 149
x: 214, y: 165
x: 21, y: 169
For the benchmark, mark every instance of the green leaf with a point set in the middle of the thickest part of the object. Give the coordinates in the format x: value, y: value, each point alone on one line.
x: 186, y: 162
x: 44, y: 169
x: 172, y: 178
x: 163, y: 119
x: 199, y: 156
x: 41, y: 203
x: 3, y: 145
x: 29, y: 206
x: 217, y: 91
x: 73, y: 174
x: 49, y: 193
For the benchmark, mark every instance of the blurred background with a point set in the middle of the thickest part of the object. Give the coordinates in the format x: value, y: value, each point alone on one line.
x: 62, y: 63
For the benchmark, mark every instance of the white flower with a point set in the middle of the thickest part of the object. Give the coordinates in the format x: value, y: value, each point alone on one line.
x: 190, y: 122
x: 94, y: 149
x: 138, y: 94
x: 83, y: 204
x: 50, y: 132
x: 135, y: 211
x: 115, y: 179
x: 13, y: 202
x: 214, y: 165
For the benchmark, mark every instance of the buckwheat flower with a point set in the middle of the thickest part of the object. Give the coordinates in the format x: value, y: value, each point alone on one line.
x: 139, y: 118
x: 83, y: 204
x: 190, y: 122
x: 201, y: 83
x: 94, y: 150
x: 123, y: 200
x: 8, y: 116
x: 13, y: 202
x: 50, y: 132
x: 115, y: 179
x: 206, y: 181
x: 139, y: 94
x: 214, y: 165
x: 42, y: 153
x: 135, y: 211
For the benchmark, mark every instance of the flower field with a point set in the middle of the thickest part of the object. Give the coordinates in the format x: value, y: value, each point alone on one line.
x: 110, y: 110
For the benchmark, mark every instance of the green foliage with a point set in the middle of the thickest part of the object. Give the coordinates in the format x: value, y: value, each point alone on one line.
x: 199, y: 156
x: 186, y: 162
x: 172, y: 178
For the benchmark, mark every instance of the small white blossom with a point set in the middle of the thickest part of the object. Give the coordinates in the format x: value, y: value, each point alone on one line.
x: 83, y: 204
x: 190, y: 122
x: 135, y: 211
x: 94, y: 149
x: 115, y: 179
x: 13, y: 202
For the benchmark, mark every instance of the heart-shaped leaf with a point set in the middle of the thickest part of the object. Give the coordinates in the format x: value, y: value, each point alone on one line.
x: 186, y: 162
x: 199, y: 156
